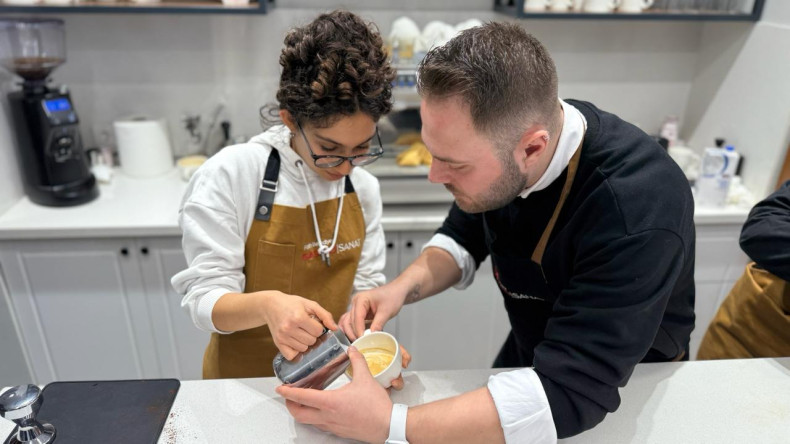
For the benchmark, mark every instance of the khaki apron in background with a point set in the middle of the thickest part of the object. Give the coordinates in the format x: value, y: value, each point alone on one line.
x: 282, y: 254
x: 753, y: 321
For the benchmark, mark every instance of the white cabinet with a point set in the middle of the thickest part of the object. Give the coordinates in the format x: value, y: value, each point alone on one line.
x: 104, y: 308
x: 180, y: 345
x: 465, y: 328
x: 100, y: 308
x: 456, y: 329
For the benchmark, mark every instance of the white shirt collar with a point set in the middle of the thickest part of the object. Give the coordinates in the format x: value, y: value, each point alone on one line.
x: 573, y: 128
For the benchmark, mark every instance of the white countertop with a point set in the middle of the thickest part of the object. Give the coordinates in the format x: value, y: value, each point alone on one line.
x: 729, y: 401
x: 736, y: 401
x: 125, y: 207
x: 130, y: 207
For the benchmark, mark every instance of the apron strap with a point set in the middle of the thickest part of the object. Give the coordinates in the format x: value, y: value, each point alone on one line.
x: 263, y: 211
x: 573, y: 165
x: 349, y: 185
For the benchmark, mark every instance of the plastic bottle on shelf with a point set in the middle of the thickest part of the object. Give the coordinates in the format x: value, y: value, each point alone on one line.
x: 718, y: 169
x: 669, y: 130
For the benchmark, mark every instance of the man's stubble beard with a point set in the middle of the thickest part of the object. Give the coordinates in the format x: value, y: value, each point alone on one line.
x: 501, y: 192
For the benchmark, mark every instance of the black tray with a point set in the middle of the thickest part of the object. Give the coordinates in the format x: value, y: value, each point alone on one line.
x: 133, y: 411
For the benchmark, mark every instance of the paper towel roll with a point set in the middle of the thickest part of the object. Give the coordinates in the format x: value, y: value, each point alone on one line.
x: 143, y: 146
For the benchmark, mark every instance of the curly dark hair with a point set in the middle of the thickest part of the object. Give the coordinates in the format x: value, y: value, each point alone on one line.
x: 334, y: 67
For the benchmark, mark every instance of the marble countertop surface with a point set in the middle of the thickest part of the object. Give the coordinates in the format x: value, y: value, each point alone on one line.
x: 131, y: 207
x: 731, y: 401
x: 727, y: 401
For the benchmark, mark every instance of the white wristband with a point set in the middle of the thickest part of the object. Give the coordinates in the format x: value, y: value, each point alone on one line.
x: 398, y: 425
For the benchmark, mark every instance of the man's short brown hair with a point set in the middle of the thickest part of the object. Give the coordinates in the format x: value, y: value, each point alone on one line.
x: 504, y: 74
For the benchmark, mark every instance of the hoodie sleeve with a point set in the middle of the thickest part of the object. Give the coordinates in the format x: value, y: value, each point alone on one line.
x: 370, y: 271
x: 213, y: 243
x: 766, y: 234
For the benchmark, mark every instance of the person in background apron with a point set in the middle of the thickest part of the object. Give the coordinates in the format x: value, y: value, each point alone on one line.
x: 754, y: 319
x: 280, y: 231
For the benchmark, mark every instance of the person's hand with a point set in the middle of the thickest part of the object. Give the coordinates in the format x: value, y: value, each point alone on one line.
x: 359, y: 410
x: 398, y: 383
x: 295, y: 322
x: 379, y: 305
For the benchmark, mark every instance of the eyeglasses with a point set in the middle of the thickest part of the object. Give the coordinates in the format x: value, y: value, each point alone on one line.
x: 330, y: 161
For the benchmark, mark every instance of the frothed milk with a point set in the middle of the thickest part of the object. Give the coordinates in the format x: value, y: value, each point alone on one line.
x: 378, y: 359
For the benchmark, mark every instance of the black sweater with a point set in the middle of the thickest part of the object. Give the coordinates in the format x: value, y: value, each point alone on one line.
x: 766, y: 234
x: 618, y: 268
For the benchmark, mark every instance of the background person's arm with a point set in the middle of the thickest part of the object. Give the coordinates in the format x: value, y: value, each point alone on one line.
x: 766, y: 234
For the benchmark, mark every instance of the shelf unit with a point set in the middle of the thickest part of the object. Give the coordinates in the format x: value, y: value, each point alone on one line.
x: 127, y: 7
x: 516, y: 8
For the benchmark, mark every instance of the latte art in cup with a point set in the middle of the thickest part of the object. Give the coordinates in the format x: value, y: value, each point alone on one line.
x: 378, y: 359
x: 382, y: 355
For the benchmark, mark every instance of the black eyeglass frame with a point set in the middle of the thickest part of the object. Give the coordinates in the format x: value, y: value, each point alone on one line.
x: 373, y: 156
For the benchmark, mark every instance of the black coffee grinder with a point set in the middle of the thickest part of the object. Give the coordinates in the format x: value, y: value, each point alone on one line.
x: 51, y: 155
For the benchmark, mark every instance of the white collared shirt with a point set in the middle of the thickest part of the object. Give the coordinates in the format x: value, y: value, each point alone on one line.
x: 521, y: 402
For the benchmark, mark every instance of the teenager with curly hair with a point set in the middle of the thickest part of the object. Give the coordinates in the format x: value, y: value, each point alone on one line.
x: 280, y: 231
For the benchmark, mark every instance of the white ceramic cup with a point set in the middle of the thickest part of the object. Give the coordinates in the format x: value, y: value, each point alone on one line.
x: 536, y: 5
x: 382, y: 340
x: 600, y: 6
x: 634, y: 5
x: 561, y: 5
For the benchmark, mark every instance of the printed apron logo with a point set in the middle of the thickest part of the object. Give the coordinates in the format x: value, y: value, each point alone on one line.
x: 339, y: 248
x: 512, y: 294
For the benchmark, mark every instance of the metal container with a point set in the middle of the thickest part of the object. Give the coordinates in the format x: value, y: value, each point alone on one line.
x: 317, y: 367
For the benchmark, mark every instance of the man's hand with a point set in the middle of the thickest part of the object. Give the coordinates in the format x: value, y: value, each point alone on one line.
x: 432, y: 272
x: 379, y: 305
x: 359, y: 410
x: 295, y: 322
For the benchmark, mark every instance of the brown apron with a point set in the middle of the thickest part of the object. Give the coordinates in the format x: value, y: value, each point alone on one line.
x: 525, y: 289
x: 753, y: 321
x: 282, y: 254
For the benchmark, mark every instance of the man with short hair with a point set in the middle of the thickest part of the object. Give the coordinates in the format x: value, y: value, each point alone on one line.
x: 589, y: 226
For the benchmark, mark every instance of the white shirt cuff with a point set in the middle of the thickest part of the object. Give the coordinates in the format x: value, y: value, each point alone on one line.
x: 463, y: 259
x: 523, y: 408
x: 205, y: 306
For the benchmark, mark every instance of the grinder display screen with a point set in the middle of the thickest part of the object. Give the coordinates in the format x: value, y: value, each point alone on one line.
x: 56, y: 105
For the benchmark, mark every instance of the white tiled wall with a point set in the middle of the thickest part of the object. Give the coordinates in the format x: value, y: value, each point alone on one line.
x: 166, y: 65
x: 741, y: 92
x: 10, y: 184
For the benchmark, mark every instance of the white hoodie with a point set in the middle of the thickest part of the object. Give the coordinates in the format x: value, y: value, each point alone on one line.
x: 218, y: 208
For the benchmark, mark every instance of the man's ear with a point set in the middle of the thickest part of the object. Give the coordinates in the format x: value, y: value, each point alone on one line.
x: 533, y: 143
x: 288, y: 120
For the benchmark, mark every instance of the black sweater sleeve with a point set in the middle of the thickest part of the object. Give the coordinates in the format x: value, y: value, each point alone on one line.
x: 467, y: 230
x: 766, y: 234
x: 603, y: 324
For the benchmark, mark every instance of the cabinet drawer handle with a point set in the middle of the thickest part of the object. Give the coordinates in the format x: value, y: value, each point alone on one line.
x: 124, y: 251
x: 144, y: 251
x: 390, y: 245
x: 409, y: 244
